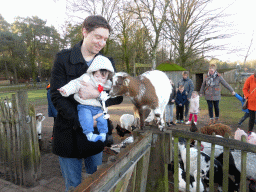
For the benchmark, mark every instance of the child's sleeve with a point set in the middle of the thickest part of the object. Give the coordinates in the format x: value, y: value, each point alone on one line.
x: 74, y: 85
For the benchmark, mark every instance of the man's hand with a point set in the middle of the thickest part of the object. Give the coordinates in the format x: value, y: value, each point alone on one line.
x: 88, y: 91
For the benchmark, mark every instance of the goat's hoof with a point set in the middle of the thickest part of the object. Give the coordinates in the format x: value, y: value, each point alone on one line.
x: 162, y: 128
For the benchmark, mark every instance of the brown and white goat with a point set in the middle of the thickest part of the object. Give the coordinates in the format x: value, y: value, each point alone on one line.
x: 150, y: 90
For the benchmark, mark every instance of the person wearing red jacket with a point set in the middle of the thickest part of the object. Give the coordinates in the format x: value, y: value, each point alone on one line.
x: 249, y: 91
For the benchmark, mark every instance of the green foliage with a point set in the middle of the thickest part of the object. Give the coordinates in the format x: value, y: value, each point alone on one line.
x: 36, y: 97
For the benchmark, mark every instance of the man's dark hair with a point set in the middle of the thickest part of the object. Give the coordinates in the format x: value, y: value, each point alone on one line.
x: 95, y: 21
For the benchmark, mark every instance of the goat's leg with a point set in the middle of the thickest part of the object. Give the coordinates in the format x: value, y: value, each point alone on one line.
x: 160, y: 120
x: 142, y: 119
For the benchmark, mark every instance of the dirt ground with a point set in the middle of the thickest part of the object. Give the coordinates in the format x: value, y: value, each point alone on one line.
x: 50, y: 164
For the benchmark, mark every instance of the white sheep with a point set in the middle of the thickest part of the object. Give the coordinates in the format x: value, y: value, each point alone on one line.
x: 148, y: 91
x: 128, y: 122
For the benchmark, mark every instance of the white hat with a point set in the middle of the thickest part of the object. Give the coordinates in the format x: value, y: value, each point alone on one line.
x: 100, y: 62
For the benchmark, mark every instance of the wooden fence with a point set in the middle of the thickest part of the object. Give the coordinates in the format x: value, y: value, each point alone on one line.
x: 19, y: 148
x: 143, y: 166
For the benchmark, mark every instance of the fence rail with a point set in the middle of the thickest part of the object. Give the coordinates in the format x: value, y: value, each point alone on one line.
x: 148, y: 159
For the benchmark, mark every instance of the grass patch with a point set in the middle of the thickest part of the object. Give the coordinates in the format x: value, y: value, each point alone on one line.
x: 36, y: 96
x: 230, y: 109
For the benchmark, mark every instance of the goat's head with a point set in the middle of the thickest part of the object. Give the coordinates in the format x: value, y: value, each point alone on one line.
x: 120, y: 84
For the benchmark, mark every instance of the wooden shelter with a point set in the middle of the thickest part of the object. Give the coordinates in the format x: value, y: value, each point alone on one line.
x: 173, y: 71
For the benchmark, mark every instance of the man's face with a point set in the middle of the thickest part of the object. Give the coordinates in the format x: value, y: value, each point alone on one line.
x: 100, y: 78
x: 185, y: 76
x: 96, y: 39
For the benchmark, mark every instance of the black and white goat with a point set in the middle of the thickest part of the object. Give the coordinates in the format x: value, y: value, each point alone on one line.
x: 150, y: 90
x: 205, y: 167
x: 182, y: 178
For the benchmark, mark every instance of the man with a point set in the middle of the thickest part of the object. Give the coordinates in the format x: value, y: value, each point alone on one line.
x: 69, y: 142
x: 188, y: 88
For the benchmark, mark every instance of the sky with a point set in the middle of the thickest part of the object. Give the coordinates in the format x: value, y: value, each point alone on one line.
x: 241, y: 18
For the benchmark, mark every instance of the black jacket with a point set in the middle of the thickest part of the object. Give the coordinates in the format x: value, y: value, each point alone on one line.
x: 173, y: 95
x: 68, y: 138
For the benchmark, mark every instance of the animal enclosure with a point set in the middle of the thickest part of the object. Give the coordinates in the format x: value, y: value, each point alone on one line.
x: 143, y: 166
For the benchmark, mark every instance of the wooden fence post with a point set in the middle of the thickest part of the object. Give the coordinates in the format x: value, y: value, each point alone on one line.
x: 27, y: 145
x: 157, y: 177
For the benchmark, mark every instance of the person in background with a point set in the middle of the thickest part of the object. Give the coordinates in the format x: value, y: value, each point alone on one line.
x: 212, y: 91
x: 52, y: 112
x: 180, y: 101
x: 68, y: 135
x: 249, y: 91
x: 188, y: 88
x: 246, y: 111
x: 169, y: 106
x: 194, y: 108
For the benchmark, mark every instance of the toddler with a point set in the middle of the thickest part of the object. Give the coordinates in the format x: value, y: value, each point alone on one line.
x: 180, y: 101
x: 98, y: 74
x: 194, y: 108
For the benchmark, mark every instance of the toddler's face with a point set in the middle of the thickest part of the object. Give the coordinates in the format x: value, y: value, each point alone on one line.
x: 181, y: 89
x: 100, y: 78
x: 194, y: 95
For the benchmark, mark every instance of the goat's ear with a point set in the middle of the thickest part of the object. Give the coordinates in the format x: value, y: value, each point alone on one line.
x: 126, y: 82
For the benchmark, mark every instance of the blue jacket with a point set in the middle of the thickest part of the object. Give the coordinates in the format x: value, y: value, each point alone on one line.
x: 240, y: 98
x: 52, y: 112
x: 181, y: 98
x: 188, y: 86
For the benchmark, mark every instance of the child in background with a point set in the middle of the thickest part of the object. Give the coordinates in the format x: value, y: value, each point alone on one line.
x: 180, y: 101
x: 169, y: 106
x: 194, y: 108
x: 98, y: 74
x: 246, y: 111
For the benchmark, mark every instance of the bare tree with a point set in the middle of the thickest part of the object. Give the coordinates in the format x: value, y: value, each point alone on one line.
x: 106, y: 8
x: 248, y: 50
x: 192, y: 29
x: 152, y: 14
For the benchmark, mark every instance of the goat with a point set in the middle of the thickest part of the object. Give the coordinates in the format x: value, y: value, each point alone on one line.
x: 150, y: 90
x: 218, y: 129
x: 121, y: 131
x: 128, y: 122
x: 205, y: 167
x: 239, y: 133
x: 182, y: 178
x: 39, y: 119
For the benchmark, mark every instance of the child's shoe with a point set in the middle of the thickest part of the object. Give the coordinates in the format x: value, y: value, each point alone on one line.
x: 93, y: 137
x: 195, y: 123
x: 181, y: 121
x: 177, y: 121
x: 188, y: 123
x: 171, y: 123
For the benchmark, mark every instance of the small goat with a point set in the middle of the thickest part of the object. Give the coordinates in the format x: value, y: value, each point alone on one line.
x: 128, y: 122
x: 39, y: 119
x: 218, y: 129
x: 150, y: 90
